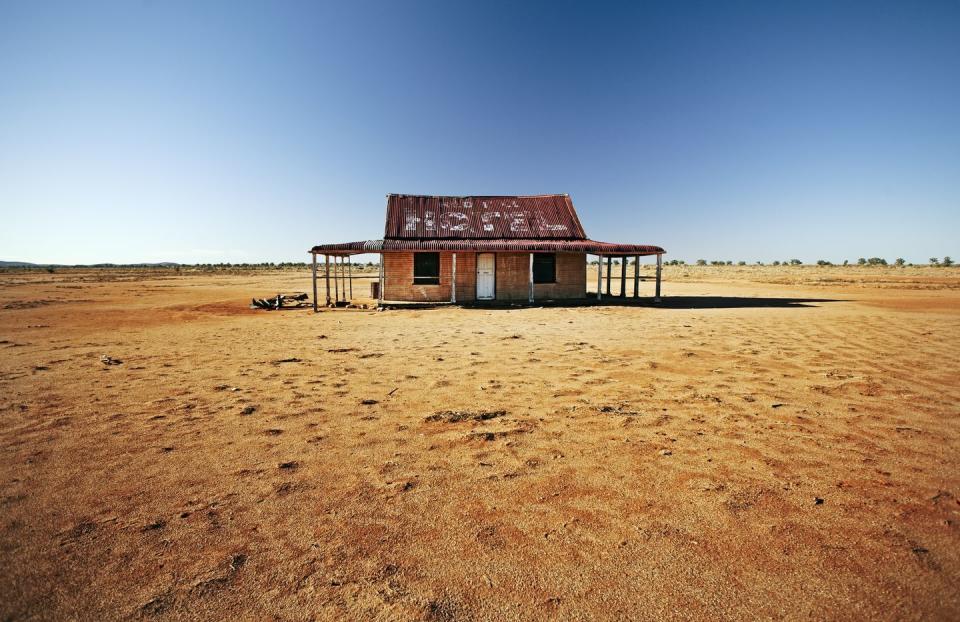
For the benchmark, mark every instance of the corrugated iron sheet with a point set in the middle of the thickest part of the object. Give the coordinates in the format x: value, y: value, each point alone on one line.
x: 547, y: 216
x: 511, y: 245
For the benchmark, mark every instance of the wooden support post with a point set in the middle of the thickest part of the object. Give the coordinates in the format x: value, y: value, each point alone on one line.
x: 383, y: 282
x: 327, y: 259
x: 453, y: 282
x: 336, y: 281
x: 313, y: 271
x: 609, y: 270
x: 530, y: 295
x: 599, y: 277
x: 636, y: 276
x: 656, y: 298
x: 623, y: 277
x: 350, y: 268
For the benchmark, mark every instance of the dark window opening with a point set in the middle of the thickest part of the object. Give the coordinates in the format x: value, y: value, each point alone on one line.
x: 426, y: 268
x: 544, y: 268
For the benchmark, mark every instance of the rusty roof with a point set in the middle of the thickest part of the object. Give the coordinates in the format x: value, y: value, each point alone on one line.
x: 474, y: 245
x: 495, y: 217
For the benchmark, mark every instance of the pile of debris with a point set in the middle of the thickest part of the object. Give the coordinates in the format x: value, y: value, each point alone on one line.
x: 281, y: 301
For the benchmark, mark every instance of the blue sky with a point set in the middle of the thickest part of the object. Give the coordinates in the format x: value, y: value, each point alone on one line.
x: 248, y: 131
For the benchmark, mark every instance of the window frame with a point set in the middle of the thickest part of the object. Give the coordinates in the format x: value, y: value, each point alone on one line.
x: 553, y: 269
x: 426, y: 279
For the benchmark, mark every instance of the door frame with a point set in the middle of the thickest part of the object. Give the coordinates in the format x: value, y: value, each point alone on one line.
x: 477, y: 278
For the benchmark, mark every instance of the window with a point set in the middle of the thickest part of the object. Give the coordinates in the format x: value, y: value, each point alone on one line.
x: 426, y: 268
x: 544, y: 268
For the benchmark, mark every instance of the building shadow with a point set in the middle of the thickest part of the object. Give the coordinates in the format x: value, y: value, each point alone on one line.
x: 716, y: 302
x: 667, y: 302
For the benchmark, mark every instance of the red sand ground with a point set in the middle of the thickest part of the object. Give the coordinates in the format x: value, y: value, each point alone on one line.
x: 472, y: 464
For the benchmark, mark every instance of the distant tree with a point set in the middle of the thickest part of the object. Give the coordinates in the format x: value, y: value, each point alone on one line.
x: 947, y: 261
x: 934, y: 261
x: 701, y: 262
x: 741, y: 263
x: 776, y: 263
x: 795, y: 262
x: 877, y: 261
x: 823, y: 262
x: 846, y: 262
x: 899, y: 261
x: 861, y: 262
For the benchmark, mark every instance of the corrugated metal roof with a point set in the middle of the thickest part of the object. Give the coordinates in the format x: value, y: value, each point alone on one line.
x: 419, y: 217
x: 511, y: 245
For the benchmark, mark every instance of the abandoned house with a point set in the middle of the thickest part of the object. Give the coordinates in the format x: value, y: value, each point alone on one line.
x: 481, y: 248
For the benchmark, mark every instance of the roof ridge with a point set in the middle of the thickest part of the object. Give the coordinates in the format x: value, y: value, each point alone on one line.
x: 479, y: 196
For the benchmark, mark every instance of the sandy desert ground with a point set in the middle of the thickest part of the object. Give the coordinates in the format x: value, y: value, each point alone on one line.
x: 767, y: 443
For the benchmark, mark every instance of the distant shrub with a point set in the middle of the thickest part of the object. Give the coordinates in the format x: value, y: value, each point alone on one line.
x: 899, y: 261
x: 877, y: 261
x: 701, y: 262
x: 823, y: 262
x: 776, y: 263
x: 947, y: 261
x: 741, y: 263
x: 861, y: 262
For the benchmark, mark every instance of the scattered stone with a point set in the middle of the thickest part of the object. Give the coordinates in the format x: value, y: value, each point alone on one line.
x: 155, y: 525
x: 454, y: 416
x: 158, y: 605
x: 666, y: 452
x: 237, y: 561
x: 292, y: 464
x: 817, y: 501
x: 248, y: 410
x: 289, y: 360
x: 778, y: 405
x: 369, y: 402
x: 109, y: 360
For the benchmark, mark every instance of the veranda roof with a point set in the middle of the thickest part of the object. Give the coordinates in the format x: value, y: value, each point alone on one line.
x: 488, y: 245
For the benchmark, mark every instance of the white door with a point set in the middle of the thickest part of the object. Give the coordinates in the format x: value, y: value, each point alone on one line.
x: 486, y: 276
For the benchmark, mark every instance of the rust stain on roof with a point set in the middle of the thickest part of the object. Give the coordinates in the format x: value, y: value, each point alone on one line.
x: 421, y: 217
